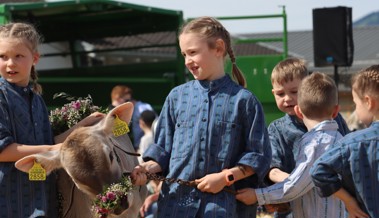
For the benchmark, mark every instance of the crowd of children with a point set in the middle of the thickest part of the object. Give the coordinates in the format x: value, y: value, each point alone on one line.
x: 212, y: 132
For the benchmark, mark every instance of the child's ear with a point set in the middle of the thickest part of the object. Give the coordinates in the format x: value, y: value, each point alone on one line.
x: 370, y: 102
x: 220, y: 47
x: 298, y: 112
x: 36, y: 57
x: 336, y: 109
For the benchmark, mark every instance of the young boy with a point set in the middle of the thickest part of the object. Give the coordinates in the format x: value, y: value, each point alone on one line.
x: 317, y: 106
x: 352, y: 165
x: 287, y: 130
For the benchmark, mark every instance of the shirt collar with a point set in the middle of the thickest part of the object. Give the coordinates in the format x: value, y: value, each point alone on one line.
x: 326, y: 125
x: 214, y: 84
x: 23, y: 91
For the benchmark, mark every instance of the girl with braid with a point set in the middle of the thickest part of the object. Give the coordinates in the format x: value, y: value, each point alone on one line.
x: 350, y: 170
x: 211, y: 131
x: 24, y: 125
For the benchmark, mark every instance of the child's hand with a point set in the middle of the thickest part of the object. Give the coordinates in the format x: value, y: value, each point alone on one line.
x: 212, y: 183
x: 138, y: 176
x: 247, y: 196
x: 354, y: 210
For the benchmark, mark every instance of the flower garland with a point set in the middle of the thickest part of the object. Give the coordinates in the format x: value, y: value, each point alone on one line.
x: 69, y: 114
x: 113, y: 198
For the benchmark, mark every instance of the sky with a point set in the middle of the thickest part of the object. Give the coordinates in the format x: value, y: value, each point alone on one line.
x: 299, y: 12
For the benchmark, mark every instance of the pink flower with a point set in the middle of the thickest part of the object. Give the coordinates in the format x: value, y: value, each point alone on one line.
x: 76, y: 105
x: 111, y: 196
x: 104, y: 199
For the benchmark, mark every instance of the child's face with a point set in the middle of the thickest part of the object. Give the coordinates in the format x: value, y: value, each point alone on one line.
x: 362, y: 110
x: 203, y: 62
x: 286, y: 95
x: 16, y: 61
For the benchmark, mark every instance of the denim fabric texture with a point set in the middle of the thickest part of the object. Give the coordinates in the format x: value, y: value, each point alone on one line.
x: 298, y: 188
x: 203, y: 128
x: 24, y: 120
x: 352, y: 163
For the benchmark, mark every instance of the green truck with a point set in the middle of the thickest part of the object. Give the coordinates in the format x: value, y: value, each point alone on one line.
x: 92, y: 45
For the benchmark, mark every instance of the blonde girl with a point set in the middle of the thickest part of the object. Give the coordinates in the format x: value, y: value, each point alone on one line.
x: 210, y: 131
x: 24, y: 125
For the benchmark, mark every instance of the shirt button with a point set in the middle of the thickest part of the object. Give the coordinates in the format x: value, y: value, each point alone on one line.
x: 202, y: 139
x: 178, y: 125
x: 204, y: 119
x: 206, y: 101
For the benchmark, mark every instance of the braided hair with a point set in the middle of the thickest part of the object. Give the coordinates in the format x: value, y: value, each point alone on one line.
x: 27, y: 33
x: 366, y: 82
x: 212, y: 30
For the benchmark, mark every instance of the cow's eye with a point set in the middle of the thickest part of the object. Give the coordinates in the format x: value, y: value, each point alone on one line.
x: 111, y: 156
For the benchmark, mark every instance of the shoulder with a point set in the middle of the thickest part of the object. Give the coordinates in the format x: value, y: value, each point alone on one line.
x: 189, y: 86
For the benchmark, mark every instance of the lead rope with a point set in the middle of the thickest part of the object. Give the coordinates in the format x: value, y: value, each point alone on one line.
x: 155, y: 177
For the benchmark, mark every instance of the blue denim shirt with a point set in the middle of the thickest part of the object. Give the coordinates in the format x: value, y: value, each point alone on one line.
x: 203, y: 128
x: 352, y: 163
x: 24, y: 122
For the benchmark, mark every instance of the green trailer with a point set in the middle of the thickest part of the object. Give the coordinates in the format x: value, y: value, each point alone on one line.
x: 92, y: 45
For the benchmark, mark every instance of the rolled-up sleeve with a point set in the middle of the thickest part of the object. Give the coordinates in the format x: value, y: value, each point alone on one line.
x: 6, y: 137
x: 258, y: 149
x: 164, y: 136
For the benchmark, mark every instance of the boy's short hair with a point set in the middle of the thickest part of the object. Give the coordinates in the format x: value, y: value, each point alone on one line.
x: 148, y: 117
x: 317, y: 95
x: 288, y: 70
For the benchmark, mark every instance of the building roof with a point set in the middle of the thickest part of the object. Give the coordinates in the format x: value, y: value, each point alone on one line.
x: 300, y: 44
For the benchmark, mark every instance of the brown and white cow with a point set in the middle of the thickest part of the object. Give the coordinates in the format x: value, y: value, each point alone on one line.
x: 92, y: 158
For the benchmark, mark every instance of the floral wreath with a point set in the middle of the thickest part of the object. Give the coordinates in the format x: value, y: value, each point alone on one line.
x: 62, y: 119
x: 113, y: 198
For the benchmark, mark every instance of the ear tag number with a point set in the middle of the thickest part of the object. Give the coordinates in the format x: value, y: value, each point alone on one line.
x: 37, y: 172
x: 120, y: 127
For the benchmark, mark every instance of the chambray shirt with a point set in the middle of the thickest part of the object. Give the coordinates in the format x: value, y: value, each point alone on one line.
x: 352, y: 163
x: 298, y: 188
x: 24, y: 123
x: 284, y: 134
x: 205, y: 127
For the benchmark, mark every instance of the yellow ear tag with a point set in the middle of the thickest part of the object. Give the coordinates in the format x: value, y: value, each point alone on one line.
x: 37, y: 172
x: 120, y: 127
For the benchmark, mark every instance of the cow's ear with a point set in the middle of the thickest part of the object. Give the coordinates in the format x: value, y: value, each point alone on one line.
x: 123, y: 111
x: 49, y: 160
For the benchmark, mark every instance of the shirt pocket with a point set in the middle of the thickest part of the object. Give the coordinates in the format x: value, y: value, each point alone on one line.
x: 228, y: 143
x: 183, y: 139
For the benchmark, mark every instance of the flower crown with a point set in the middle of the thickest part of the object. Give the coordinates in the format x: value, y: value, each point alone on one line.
x: 113, y: 198
x: 69, y: 114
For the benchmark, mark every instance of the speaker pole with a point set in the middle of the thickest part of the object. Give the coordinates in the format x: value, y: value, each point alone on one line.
x: 336, y: 76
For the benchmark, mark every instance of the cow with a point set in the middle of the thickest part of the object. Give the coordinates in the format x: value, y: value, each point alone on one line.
x: 90, y: 159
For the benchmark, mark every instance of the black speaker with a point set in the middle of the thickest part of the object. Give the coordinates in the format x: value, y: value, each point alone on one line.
x: 333, y: 36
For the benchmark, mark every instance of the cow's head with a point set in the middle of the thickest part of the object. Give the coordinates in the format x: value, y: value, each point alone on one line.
x: 87, y: 155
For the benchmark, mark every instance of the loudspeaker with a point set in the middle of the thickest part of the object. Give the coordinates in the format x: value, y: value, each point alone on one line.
x: 333, y: 36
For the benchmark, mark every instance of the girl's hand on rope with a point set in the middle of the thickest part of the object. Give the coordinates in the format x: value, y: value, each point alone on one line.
x: 212, y: 183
